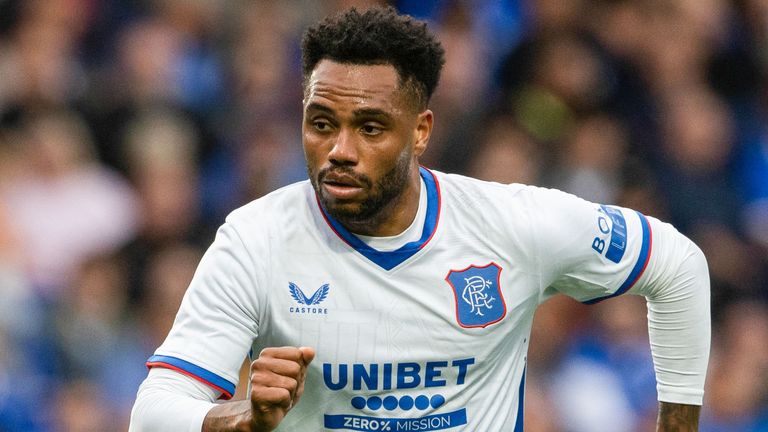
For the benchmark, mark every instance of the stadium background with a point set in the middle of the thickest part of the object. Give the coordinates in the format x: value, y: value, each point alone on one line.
x: 129, y: 129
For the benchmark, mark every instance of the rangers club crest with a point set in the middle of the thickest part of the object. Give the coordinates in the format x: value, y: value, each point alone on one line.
x: 479, y: 302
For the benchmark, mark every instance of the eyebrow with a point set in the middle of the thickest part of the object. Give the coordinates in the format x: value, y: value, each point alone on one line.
x: 371, y: 112
x: 360, y: 112
x: 314, y: 106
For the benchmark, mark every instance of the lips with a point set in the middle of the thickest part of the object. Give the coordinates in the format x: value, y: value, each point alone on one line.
x: 339, y: 179
x: 341, y: 186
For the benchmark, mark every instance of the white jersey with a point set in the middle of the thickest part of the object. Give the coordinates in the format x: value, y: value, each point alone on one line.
x: 431, y: 336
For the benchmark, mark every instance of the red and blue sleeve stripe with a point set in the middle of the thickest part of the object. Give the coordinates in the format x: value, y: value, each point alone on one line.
x: 191, y: 370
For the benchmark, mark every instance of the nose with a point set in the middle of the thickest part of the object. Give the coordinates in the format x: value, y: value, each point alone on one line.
x: 344, y: 151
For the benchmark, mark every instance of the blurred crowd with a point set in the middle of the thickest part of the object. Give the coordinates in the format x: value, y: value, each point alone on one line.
x: 129, y: 129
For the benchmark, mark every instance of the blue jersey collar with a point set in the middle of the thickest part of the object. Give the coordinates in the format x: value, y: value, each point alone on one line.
x: 391, y: 259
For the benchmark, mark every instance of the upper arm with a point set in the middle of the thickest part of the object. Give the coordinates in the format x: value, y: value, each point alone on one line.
x: 218, y: 318
x: 585, y: 250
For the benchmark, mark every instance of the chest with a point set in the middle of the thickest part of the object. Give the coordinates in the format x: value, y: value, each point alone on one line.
x: 450, y: 299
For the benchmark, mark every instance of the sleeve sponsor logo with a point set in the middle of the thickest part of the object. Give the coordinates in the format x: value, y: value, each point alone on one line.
x: 612, y: 247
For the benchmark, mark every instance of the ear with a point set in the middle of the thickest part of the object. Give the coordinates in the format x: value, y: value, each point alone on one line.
x: 422, y: 132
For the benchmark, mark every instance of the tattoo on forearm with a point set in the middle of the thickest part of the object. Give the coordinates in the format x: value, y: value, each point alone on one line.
x: 678, y: 417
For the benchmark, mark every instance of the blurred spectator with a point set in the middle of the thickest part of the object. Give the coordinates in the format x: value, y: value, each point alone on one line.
x: 737, y: 268
x: 657, y: 105
x: 149, y: 53
x: 93, y: 207
x: 199, y: 67
x: 92, y: 327
x: 593, y: 159
x: 161, y: 154
x: 555, y: 321
x: 18, y: 402
x: 269, y: 158
x: 463, y: 89
x: 79, y: 407
x: 678, y: 42
x: 698, y: 145
x: 169, y: 271
x: 38, y: 62
x: 539, y: 407
x: 737, y: 399
x: 506, y: 154
x: 753, y: 178
x: 605, y: 379
x: 265, y: 75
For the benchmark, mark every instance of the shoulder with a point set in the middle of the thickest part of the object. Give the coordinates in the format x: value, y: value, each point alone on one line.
x: 278, y: 213
x: 521, y: 208
x: 468, y: 189
x: 457, y: 183
x: 276, y: 206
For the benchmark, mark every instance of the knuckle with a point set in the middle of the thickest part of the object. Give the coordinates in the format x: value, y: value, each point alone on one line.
x: 266, y: 352
x: 258, y: 377
x: 294, y: 369
x: 268, y: 396
x: 291, y: 385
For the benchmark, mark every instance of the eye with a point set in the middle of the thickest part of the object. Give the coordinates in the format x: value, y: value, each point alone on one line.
x: 321, y: 125
x: 371, y: 130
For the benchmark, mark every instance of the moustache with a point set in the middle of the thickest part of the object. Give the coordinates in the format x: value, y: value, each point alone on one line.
x: 361, y: 179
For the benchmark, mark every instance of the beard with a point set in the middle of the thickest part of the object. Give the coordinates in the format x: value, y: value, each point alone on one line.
x: 381, y: 194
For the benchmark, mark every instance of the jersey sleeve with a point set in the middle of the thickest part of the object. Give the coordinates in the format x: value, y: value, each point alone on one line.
x: 218, y: 317
x: 587, y: 251
x: 167, y: 401
x: 593, y: 252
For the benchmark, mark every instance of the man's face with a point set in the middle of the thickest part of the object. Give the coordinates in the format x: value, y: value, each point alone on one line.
x: 362, y: 139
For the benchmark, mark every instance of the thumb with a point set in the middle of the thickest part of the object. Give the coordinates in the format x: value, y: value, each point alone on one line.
x: 307, y: 355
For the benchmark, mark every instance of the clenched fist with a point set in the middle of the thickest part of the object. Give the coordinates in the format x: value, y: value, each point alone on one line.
x: 277, y: 383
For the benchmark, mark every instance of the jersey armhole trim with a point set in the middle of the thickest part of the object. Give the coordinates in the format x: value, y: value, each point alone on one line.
x: 195, y: 372
x: 640, y: 265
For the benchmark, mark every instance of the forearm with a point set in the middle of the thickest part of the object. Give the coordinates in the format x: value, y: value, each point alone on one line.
x: 677, y: 291
x: 169, y: 401
x: 678, y: 417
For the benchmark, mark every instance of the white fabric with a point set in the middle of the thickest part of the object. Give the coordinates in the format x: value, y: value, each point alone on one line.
x: 407, y: 333
x: 168, y: 400
x: 676, y: 286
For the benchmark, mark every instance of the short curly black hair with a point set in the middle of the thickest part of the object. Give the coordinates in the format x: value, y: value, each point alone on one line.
x: 378, y: 36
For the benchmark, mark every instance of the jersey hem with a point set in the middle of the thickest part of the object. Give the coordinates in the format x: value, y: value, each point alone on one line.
x: 693, y: 398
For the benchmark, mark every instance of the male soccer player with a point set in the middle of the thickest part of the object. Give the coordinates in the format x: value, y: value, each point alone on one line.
x: 383, y: 296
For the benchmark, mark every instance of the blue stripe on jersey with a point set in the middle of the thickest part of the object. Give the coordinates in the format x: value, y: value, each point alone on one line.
x: 520, y: 404
x: 618, y: 242
x: 194, y: 371
x: 639, y: 268
x: 391, y: 259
